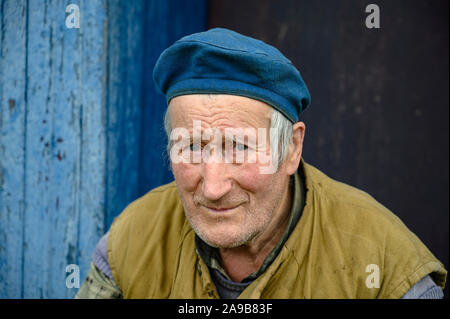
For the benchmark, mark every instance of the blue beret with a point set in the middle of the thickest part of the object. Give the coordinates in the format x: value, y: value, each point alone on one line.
x: 222, y: 61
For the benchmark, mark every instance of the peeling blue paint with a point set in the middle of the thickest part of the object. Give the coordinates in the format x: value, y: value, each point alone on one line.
x: 80, y: 128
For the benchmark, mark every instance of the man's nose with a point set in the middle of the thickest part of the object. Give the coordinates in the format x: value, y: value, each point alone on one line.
x: 216, y: 182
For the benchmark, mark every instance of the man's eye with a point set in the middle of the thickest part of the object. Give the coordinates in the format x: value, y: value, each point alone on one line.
x: 195, y: 147
x: 240, y: 147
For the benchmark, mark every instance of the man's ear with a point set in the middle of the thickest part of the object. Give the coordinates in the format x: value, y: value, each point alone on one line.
x: 294, y: 156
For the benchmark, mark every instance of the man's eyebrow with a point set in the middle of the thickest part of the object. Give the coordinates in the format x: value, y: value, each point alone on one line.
x: 231, y: 136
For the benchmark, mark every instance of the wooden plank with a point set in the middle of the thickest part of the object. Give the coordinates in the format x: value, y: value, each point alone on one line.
x: 93, y: 78
x: 67, y: 88
x: 38, y: 151
x: 13, y: 106
x: 166, y: 22
x: 124, y: 104
x: 153, y: 138
x: 53, y: 151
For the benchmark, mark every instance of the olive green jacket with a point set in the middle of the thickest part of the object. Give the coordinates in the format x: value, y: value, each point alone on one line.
x: 345, y: 245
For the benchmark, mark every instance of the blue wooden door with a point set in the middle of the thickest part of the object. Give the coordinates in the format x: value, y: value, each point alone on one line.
x: 81, y: 131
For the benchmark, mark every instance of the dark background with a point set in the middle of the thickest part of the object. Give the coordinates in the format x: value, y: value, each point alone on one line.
x: 379, y: 113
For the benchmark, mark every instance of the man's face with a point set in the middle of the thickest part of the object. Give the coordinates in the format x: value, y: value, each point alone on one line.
x: 227, y: 204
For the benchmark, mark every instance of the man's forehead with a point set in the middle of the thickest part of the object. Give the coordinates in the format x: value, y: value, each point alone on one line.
x: 219, y: 111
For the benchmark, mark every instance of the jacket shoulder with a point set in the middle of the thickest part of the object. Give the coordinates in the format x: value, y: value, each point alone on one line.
x: 354, y: 223
x: 346, y: 202
x: 147, y: 235
x: 153, y: 208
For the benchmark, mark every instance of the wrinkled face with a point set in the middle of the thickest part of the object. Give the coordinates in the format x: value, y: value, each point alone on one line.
x: 227, y: 204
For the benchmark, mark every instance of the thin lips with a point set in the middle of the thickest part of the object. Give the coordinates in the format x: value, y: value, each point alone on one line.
x: 221, y: 208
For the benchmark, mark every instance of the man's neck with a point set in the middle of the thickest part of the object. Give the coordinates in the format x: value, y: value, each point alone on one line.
x: 240, y: 262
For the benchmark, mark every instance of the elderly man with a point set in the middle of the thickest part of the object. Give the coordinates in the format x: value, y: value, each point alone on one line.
x: 246, y: 216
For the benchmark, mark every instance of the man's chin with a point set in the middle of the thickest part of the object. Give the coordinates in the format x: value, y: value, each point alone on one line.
x: 223, y: 241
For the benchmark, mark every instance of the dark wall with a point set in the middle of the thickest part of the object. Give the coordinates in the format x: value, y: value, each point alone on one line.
x: 379, y: 113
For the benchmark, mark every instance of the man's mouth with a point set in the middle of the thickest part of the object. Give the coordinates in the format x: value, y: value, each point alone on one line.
x: 221, y: 209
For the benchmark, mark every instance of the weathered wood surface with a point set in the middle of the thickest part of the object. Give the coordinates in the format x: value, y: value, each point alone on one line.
x: 12, y: 146
x: 52, y: 144
x: 79, y: 121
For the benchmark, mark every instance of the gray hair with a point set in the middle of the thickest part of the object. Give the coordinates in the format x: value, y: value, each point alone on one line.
x: 281, y: 129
